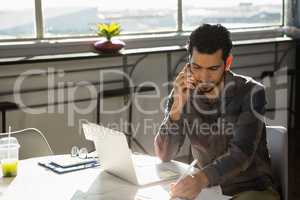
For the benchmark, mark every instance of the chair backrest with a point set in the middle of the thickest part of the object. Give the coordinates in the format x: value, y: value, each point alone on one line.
x: 277, y: 141
x: 33, y: 143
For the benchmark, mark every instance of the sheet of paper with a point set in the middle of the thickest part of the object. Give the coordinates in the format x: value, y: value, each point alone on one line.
x: 153, y: 192
x: 214, y: 193
x: 70, y: 161
x: 162, y: 193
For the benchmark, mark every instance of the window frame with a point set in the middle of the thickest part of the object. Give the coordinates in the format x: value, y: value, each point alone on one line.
x: 72, y: 44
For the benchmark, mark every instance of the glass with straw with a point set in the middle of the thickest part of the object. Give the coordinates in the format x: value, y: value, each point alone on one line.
x: 9, y: 154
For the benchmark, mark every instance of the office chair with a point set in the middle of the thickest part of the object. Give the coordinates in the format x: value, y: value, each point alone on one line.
x: 32, y: 141
x: 277, y: 142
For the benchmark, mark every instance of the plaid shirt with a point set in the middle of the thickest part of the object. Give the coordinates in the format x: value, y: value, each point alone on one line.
x: 227, y: 136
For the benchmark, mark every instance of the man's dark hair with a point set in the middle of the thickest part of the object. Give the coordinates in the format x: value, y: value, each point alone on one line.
x: 210, y: 38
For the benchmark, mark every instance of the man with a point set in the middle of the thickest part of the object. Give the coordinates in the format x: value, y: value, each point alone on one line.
x: 222, y: 114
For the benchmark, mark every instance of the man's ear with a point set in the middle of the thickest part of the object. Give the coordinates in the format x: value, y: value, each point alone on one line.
x: 228, y: 62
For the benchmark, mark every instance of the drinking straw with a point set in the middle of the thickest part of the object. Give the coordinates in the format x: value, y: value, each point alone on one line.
x: 9, y: 131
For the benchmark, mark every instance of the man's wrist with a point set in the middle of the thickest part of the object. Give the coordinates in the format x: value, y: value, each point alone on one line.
x: 175, y: 112
x: 202, y: 178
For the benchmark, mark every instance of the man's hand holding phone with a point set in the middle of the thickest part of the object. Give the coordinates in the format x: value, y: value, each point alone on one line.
x: 183, y: 85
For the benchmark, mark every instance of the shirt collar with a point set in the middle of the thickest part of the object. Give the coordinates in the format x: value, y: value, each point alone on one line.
x: 229, y: 84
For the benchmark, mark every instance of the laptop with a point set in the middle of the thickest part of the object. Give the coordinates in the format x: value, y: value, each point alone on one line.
x: 116, y: 158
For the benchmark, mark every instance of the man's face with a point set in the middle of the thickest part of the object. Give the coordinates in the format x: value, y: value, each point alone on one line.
x: 207, y: 70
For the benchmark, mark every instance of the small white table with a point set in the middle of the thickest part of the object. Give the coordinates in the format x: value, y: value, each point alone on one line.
x: 36, y: 182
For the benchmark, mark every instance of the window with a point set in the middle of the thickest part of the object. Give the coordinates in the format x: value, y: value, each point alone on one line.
x: 17, y: 19
x: 232, y: 13
x: 73, y: 18
x: 135, y: 16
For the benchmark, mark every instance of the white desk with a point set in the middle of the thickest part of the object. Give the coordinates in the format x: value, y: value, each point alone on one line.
x: 34, y: 182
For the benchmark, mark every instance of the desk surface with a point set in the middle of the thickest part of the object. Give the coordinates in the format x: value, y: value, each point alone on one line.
x: 35, y: 182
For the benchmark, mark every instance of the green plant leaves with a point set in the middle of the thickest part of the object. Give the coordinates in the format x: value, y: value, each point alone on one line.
x: 108, y: 30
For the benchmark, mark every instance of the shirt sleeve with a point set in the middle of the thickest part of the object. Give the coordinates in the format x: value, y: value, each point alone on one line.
x: 246, y: 137
x: 169, y: 139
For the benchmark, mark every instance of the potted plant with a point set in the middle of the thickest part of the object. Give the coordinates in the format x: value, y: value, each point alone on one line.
x: 108, y: 45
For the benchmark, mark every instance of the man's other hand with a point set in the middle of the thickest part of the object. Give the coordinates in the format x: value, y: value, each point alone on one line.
x: 189, y: 187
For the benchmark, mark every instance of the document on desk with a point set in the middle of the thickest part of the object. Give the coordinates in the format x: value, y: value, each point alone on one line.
x: 162, y: 193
